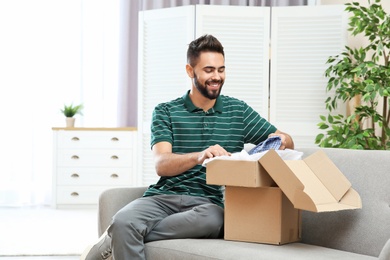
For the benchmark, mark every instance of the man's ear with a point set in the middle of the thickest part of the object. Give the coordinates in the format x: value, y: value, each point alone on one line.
x: 190, y: 71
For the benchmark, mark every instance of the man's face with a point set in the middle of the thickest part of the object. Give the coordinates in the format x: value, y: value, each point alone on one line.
x: 209, y: 74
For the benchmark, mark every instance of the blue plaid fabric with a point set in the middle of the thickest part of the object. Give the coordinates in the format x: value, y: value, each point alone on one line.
x: 273, y: 142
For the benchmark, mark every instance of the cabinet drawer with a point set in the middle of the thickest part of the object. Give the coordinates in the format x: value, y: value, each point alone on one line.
x: 94, y: 176
x: 87, y: 161
x: 95, y: 158
x: 95, y: 139
x: 79, y: 195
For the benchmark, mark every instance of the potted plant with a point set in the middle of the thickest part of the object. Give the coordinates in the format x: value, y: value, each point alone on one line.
x: 361, y: 75
x: 70, y: 111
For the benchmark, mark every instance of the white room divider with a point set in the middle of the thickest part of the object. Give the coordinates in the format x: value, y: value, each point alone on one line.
x: 299, y: 38
x: 302, y: 40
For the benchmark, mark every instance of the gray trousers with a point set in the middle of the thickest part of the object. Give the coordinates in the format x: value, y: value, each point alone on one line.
x: 162, y: 217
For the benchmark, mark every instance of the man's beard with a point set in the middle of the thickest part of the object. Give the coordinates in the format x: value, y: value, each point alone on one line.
x: 203, y: 88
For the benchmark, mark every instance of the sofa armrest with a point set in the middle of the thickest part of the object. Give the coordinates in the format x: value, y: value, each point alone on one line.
x: 112, y: 200
x: 385, y: 253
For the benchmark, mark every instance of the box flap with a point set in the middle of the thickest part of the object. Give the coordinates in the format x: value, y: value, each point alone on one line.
x: 237, y: 173
x: 328, y: 173
x: 305, y: 189
x: 351, y: 200
x: 281, y: 174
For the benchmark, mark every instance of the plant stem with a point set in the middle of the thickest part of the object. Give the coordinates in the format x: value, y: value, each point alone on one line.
x: 372, y: 118
x: 385, y: 113
x: 386, y: 116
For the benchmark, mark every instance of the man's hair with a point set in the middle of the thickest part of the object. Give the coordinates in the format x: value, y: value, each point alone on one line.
x: 205, y: 43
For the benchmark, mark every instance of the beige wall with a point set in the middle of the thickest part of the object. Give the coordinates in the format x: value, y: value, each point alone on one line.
x: 385, y: 3
x: 356, y: 41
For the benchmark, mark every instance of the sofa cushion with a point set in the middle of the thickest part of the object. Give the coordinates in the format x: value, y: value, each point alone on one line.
x: 385, y: 254
x: 191, y: 249
x: 361, y: 231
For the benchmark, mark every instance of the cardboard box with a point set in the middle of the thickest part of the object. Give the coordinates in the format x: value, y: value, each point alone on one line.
x: 262, y: 215
x: 238, y: 173
x: 313, y: 184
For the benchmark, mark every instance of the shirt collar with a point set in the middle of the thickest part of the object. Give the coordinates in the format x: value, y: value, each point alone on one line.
x: 218, y: 106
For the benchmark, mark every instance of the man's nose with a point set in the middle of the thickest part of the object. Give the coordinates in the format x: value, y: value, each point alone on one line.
x: 217, y: 75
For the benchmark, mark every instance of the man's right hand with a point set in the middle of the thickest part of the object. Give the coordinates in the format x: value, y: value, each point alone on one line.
x: 211, y: 152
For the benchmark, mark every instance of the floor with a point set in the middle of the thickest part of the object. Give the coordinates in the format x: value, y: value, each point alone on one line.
x: 44, y: 233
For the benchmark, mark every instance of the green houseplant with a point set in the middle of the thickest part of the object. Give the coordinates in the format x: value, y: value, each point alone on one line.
x: 70, y: 111
x: 362, y: 75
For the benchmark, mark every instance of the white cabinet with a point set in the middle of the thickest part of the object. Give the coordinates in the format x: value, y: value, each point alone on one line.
x: 87, y: 161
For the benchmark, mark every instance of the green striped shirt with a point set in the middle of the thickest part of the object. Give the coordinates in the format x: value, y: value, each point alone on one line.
x: 230, y: 123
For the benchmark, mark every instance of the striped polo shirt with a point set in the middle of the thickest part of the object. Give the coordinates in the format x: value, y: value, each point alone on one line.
x: 230, y: 123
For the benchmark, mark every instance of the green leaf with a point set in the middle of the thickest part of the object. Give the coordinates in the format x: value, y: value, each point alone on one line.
x: 319, y: 137
x: 323, y: 126
x: 330, y: 119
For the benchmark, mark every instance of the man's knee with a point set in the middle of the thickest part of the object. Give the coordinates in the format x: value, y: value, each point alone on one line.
x: 211, y: 218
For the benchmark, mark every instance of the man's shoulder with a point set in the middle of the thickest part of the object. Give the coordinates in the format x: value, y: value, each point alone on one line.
x: 232, y: 100
x: 171, y: 103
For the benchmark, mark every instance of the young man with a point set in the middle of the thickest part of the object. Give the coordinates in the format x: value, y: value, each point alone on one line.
x: 186, y: 131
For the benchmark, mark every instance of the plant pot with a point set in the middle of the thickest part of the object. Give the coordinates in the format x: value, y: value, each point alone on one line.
x: 70, y: 121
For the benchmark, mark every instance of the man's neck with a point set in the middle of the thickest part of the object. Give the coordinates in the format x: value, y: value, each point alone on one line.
x: 200, y: 101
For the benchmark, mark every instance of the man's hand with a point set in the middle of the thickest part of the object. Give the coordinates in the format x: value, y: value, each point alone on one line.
x: 212, y: 151
x: 286, y: 140
x: 171, y: 164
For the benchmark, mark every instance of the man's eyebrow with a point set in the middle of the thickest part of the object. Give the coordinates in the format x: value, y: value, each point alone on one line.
x: 212, y: 67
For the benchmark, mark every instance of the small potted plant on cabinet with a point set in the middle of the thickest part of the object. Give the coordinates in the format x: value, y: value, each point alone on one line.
x: 70, y: 111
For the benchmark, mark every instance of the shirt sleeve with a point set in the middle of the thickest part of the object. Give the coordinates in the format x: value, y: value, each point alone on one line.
x: 161, y: 127
x: 256, y: 128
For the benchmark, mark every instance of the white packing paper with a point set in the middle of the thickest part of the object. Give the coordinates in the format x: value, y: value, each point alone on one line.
x: 286, y: 154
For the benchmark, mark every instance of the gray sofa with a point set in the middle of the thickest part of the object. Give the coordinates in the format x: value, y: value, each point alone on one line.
x: 350, y: 234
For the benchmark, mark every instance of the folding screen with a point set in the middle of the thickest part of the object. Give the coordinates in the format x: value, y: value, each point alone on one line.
x: 301, y: 39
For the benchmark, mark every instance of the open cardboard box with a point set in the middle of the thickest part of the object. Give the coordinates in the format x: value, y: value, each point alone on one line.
x: 238, y: 173
x: 313, y: 184
x: 261, y: 215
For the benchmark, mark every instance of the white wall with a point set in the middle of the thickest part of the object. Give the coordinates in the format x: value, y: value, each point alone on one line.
x: 52, y: 52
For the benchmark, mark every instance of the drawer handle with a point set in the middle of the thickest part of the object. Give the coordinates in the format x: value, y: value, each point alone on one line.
x: 114, y: 176
x: 75, y: 157
x: 74, y: 194
x: 115, y: 139
x: 75, y: 138
x: 114, y: 157
x: 75, y: 175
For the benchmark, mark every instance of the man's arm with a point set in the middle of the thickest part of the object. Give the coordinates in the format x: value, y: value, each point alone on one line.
x: 171, y: 164
x: 287, y: 141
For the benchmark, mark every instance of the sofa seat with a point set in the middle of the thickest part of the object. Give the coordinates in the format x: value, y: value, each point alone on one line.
x: 191, y: 249
x: 348, y: 234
